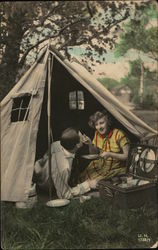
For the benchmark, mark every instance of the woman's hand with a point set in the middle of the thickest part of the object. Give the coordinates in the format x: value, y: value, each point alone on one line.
x: 105, y: 155
x: 85, y: 139
x: 120, y: 156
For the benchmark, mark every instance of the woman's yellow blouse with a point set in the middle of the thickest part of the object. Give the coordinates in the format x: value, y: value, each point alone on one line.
x: 104, y: 169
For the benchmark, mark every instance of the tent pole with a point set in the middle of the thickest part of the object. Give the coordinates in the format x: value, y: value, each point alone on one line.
x: 49, y: 125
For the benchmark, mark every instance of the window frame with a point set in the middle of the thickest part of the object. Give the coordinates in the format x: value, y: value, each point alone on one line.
x: 76, y: 100
x: 22, y: 109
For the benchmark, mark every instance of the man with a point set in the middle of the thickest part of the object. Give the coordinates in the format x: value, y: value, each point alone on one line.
x: 62, y: 155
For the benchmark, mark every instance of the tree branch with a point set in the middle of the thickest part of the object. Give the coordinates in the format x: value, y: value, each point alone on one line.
x: 46, y: 38
x: 71, y: 44
x: 89, y: 9
x: 51, y: 11
x: 35, y: 26
x: 111, y: 25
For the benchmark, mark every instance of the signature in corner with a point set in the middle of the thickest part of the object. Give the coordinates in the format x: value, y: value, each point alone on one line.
x: 143, y: 237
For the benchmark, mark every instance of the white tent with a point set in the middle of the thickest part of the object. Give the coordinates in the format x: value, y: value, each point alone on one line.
x: 53, y: 94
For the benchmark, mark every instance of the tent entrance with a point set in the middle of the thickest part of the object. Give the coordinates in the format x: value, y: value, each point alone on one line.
x: 71, y: 105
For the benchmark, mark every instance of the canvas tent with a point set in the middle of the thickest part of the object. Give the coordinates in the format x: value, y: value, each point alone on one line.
x: 53, y: 93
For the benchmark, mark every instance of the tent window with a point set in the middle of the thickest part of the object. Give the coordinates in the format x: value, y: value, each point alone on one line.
x: 76, y: 100
x: 20, y: 108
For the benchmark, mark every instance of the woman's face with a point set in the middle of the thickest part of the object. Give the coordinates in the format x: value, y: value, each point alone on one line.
x: 101, y: 125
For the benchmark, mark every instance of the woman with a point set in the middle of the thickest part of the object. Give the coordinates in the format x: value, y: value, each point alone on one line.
x: 112, y: 145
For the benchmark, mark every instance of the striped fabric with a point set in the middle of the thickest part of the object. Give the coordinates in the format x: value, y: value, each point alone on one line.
x: 104, y: 169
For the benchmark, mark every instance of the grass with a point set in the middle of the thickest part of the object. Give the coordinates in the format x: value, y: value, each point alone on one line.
x: 90, y: 225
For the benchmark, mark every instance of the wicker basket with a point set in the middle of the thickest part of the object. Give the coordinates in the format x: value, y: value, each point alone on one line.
x: 129, y: 197
x: 139, y: 168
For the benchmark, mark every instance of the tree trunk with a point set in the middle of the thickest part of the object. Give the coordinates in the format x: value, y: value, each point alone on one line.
x: 9, y: 65
x: 141, y: 84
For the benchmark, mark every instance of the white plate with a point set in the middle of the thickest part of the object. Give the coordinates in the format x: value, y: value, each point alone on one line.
x: 58, y: 203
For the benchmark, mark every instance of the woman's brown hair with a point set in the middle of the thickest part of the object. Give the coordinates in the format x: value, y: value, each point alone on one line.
x: 98, y: 115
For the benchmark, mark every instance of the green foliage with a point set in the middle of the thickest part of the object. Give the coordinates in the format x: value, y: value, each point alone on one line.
x: 90, y: 225
x: 109, y: 83
x: 149, y: 85
x: 151, y: 10
x: 140, y: 34
x: 137, y: 37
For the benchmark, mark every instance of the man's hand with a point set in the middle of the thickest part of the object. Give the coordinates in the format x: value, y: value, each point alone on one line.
x: 93, y: 184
